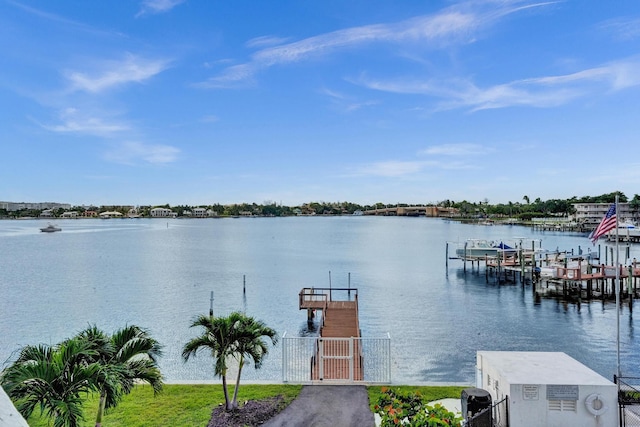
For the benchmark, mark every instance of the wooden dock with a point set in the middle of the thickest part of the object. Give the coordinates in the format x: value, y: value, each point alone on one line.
x: 338, y: 355
x: 564, y: 274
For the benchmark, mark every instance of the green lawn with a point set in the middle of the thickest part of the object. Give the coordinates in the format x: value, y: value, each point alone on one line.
x: 176, y: 406
x: 191, y: 405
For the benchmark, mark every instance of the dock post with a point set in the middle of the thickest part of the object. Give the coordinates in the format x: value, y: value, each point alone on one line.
x: 446, y: 256
x: 613, y: 287
x: 464, y: 268
x: 211, y: 305
x: 521, y: 258
x: 635, y: 279
x: 629, y: 288
x: 589, y: 282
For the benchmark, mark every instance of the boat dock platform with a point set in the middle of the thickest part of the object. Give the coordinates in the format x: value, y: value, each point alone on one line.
x: 564, y: 274
x: 338, y: 355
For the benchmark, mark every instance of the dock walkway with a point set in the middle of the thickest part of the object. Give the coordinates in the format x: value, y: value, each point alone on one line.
x: 339, y: 351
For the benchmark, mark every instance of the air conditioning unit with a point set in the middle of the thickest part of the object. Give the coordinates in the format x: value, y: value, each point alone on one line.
x: 546, y: 389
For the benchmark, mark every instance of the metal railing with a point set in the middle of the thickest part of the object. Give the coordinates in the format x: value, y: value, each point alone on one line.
x: 305, y: 360
x: 322, y: 295
x: 497, y: 415
x: 629, y: 400
x: 313, y: 297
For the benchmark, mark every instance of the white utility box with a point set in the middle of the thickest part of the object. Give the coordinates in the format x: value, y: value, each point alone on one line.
x: 547, y: 389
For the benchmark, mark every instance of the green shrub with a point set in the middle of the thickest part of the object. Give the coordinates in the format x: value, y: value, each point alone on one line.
x: 408, y: 409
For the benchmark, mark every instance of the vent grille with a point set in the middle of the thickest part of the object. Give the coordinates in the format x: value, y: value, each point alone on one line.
x: 562, y: 405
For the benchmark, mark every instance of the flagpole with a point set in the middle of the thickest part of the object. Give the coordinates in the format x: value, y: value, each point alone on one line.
x: 618, y: 289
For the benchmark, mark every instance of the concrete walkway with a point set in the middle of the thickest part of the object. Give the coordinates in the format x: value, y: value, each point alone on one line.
x: 327, y: 406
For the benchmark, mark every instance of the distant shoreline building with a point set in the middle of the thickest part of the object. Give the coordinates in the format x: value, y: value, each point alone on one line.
x: 590, y: 214
x: 162, y: 213
x: 13, y: 206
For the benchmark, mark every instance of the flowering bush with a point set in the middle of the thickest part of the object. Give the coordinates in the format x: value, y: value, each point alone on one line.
x: 396, y: 409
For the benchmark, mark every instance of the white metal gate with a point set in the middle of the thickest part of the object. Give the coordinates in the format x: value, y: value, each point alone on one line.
x: 336, y: 360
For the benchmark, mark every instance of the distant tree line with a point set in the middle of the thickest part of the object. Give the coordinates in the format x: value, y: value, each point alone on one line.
x: 523, y: 209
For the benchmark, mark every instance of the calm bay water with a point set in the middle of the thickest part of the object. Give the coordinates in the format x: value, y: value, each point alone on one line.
x: 159, y: 274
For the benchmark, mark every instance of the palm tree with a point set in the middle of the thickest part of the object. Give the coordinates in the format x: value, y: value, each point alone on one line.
x: 218, y: 339
x: 250, y: 343
x: 225, y: 337
x: 128, y: 356
x: 53, y: 378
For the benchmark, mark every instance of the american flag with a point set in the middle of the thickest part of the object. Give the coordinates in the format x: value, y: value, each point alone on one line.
x: 607, y: 224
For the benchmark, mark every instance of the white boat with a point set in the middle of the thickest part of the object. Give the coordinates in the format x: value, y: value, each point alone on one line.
x: 50, y: 229
x: 480, y: 248
x: 626, y: 231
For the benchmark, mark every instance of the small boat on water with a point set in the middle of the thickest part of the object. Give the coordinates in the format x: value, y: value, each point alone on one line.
x: 50, y: 229
x: 481, y: 248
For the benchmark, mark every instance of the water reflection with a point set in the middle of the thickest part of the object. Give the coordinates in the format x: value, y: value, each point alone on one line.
x: 309, y: 329
x: 142, y: 272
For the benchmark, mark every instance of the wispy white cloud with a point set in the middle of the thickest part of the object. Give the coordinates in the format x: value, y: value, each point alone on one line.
x: 263, y: 41
x: 132, y: 152
x: 232, y: 77
x: 116, y: 73
x: 157, y: 6
x: 391, y: 168
x: 457, y: 150
x: 456, y: 24
x: 355, y: 106
x: 547, y: 91
x: 346, y: 103
x: 398, y: 168
x: 210, y: 119
x: 72, y: 120
x: 616, y: 75
x: 624, y: 29
x: 57, y: 19
x: 333, y: 94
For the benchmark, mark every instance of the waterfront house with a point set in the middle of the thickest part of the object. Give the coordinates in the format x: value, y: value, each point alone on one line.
x: 69, y: 214
x: 199, y: 213
x: 110, y: 214
x: 162, y: 213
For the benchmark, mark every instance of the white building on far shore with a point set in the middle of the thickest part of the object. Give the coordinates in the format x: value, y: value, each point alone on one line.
x: 162, y: 213
x: 110, y: 214
x: 592, y: 213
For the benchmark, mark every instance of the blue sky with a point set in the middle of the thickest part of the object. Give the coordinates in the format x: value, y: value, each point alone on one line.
x: 199, y: 102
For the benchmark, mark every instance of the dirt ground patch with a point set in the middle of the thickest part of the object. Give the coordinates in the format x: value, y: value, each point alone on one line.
x: 252, y: 413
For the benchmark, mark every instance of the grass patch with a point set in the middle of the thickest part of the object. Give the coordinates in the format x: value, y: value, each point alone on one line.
x: 191, y: 405
x: 178, y: 405
x: 427, y: 393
